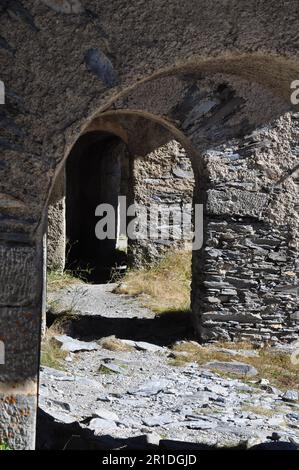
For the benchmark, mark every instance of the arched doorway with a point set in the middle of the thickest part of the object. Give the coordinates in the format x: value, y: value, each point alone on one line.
x: 98, y: 171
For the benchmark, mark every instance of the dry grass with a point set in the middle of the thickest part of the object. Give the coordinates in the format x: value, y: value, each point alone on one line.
x: 275, y: 367
x: 113, y: 344
x: 51, y: 353
x: 235, y: 345
x: 259, y: 410
x: 57, y: 280
x: 162, y: 287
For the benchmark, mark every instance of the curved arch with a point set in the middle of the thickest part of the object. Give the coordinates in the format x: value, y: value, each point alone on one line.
x: 270, y: 70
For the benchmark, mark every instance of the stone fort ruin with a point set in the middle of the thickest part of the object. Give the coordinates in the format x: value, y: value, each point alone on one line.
x: 209, y: 84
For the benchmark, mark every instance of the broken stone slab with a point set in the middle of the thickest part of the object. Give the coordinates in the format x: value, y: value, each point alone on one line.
x: 142, y: 345
x: 290, y: 396
x: 100, y: 425
x: 69, y: 344
x: 152, y: 387
x: 157, y: 420
x: 106, y: 414
x: 47, y: 403
x: 233, y: 367
x: 56, y: 374
x: 294, y: 316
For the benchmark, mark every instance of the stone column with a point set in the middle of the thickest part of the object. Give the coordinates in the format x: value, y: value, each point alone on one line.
x: 20, y: 325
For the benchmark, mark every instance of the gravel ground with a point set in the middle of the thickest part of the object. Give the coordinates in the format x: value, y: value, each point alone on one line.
x: 138, y: 398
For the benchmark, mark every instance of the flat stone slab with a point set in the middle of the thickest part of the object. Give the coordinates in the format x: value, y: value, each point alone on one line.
x: 233, y: 367
x: 106, y: 414
x: 143, y: 345
x: 100, y: 425
x: 152, y: 387
x: 69, y: 344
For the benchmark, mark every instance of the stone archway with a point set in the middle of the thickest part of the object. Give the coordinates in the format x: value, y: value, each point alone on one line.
x: 132, y: 51
x: 136, y: 150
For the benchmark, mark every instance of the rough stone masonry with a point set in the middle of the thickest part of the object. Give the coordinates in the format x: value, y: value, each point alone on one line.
x: 216, y: 80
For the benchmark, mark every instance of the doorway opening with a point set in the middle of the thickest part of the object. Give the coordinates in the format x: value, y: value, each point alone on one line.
x: 97, y: 172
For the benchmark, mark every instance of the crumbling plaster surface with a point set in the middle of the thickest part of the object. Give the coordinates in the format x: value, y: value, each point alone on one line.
x: 72, y: 65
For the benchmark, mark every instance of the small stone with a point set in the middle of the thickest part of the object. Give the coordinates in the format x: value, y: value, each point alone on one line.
x: 152, y: 387
x: 263, y: 382
x: 99, y: 425
x: 157, y: 420
x: 153, y: 439
x: 218, y: 389
x: 290, y: 395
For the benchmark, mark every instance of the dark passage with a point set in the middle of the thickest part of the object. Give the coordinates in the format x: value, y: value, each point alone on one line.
x: 97, y: 172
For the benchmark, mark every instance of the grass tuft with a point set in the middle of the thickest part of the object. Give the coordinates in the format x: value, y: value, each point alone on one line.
x: 113, y: 344
x: 57, y: 280
x: 164, y: 286
x: 275, y: 367
x: 51, y: 353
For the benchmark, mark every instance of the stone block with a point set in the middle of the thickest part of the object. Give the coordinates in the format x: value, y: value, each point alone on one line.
x: 20, y: 334
x: 236, y: 202
x: 18, y: 418
x: 18, y: 275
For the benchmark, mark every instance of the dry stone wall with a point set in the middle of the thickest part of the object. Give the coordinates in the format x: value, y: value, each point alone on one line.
x: 163, y: 183
x: 245, y: 278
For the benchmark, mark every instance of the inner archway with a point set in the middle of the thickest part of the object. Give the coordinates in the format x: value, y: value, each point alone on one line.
x: 97, y: 172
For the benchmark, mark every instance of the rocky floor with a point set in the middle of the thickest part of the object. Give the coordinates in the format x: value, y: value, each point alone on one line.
x: 139, y: 399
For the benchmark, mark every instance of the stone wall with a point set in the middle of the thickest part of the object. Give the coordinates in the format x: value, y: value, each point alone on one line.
x: 56, y: 236
x: 248, y: 269
x: 163, y: 181
x: 245, y: 278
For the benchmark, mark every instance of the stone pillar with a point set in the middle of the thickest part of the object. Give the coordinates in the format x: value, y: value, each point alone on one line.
x: 56, y: 238
x: 163, y: 192
x: 20, y: 324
